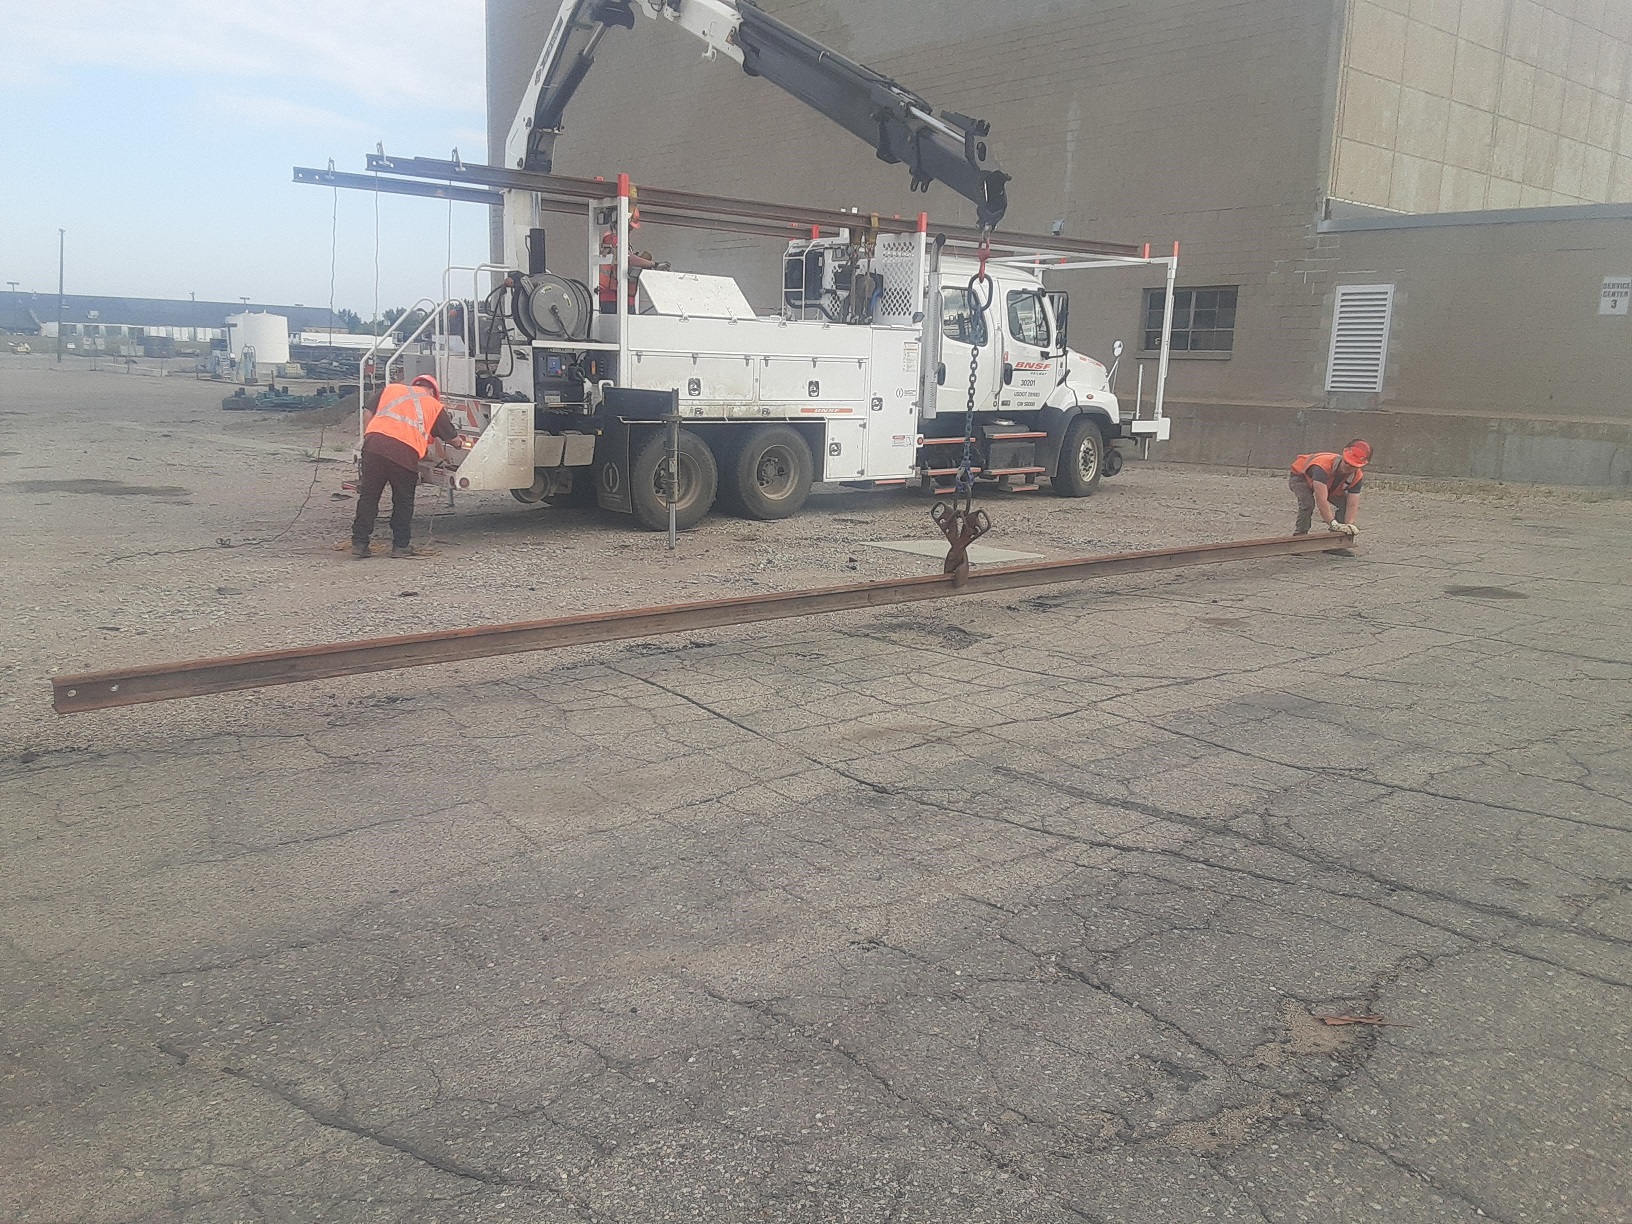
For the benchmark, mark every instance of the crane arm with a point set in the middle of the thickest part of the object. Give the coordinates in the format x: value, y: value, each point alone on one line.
x: 899, y: 125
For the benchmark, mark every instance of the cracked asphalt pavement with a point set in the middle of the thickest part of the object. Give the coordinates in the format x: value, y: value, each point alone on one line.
x: 998, y: 909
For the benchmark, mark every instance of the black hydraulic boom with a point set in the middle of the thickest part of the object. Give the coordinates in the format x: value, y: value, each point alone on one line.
x: 901, y: 127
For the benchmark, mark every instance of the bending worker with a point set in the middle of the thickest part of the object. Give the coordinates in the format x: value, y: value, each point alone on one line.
x: 397, y: 435
x: 1328, y: 483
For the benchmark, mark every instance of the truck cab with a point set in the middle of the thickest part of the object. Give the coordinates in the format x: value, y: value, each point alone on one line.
x: 1023, y: 364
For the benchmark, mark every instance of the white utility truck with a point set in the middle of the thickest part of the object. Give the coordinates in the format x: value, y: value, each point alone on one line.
x: 898, y: 354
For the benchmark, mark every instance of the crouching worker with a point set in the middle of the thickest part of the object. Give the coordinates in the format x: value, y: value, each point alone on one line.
x: 1328, y: 483
x: 394, y: 441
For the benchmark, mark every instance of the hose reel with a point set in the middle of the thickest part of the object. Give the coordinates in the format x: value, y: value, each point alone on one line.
x: 550, y: 307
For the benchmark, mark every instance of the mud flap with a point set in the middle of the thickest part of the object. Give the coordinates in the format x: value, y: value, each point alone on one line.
x: 621, y: 406
x: 1053, y: 421
x: 612, y: 468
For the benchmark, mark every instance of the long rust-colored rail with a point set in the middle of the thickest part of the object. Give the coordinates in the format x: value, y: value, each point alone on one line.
x: 169, y: 681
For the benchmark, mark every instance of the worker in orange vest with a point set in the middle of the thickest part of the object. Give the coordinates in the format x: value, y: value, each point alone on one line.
x: 1328, y: 483
x: 638, y: 262
x: 397, y: 435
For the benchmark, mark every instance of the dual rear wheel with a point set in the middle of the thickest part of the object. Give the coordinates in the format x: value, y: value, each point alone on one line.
x: 766, y: 475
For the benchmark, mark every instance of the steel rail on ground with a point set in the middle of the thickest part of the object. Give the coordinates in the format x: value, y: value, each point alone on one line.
x: 194, y: 678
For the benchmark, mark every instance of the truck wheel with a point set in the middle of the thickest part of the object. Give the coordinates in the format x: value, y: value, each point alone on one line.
x: 698, y: 480
x: 1082, y: 459
x: 769, y: 474
x: 535, y: 494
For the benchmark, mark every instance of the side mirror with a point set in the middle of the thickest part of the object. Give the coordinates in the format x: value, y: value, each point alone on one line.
x: 1116, y: 349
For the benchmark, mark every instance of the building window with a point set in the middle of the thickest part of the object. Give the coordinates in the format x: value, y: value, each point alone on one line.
x: 1361, y: 317
x: 1203, y: 319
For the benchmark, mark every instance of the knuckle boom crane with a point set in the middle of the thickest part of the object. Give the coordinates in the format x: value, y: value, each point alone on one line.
x: 901, y: 127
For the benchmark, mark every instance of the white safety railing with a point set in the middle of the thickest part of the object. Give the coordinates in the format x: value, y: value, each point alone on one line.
x: 385, y: 371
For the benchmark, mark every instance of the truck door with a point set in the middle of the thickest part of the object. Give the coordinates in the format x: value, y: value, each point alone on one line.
x: 963, y: 330
x: 1029, y: 343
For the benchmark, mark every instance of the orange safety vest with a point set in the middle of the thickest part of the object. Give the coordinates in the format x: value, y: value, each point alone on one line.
x: 406, y: 414
x: 1337, y: 486
x: 608, y: 293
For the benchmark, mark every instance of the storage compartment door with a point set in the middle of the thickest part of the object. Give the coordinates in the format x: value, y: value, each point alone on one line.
x: 845, y: 450
x: 892, y: 413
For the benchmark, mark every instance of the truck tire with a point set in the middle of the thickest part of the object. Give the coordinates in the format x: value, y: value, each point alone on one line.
x: 768, y: 474
x: 534, y: 495
x: 699, y: 480
x: 1082, y: 459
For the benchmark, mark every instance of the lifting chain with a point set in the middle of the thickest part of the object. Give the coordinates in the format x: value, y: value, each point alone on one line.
x: 960, y: 522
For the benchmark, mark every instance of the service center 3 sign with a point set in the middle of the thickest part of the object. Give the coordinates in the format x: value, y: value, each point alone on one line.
x: 1615, y: 296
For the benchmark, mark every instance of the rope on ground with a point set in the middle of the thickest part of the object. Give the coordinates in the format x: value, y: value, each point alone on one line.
x: 317, y: 459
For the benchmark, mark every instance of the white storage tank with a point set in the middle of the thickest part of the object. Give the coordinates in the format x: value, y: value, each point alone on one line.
x: 267, y: 334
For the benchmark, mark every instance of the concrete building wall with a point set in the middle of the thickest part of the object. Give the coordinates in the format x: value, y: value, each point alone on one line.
x: 1499, y: 365
x: 1500, y: 319
x: 1201, y: 121
x: 1452, y: 105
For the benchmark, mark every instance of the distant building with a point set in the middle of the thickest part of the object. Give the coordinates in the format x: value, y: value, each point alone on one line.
x: 128, y: 325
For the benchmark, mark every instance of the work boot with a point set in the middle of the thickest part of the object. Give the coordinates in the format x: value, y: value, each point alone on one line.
x: 408, y: 550
x: 361, y: 550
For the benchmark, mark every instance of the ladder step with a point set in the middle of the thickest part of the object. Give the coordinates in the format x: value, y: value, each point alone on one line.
x: 1025, y: 471
x: 1006, y: 437
x: 948, y: 441
x: 950, y: 471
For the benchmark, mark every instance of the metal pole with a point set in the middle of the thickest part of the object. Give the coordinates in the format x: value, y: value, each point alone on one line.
x: 62, y: 243
x: 674, y: 480
x: 1167, y: 334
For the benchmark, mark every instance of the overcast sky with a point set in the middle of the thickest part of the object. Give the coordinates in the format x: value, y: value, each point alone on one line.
x: 161, y: 135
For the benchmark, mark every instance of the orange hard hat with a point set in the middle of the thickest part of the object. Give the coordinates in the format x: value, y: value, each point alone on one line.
x: 428, y: 381
x: 1357, y: 453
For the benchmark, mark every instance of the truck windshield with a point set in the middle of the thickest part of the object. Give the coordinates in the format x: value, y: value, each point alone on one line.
x: 960, y: 320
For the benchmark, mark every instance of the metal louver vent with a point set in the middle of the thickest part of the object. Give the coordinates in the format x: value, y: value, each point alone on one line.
x: 1359, y: 337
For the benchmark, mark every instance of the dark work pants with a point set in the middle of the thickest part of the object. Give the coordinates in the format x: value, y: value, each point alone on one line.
x: 374, y: 473
x: 1306, y: 504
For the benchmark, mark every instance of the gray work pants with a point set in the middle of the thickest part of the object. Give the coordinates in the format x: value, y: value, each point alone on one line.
x: 1306, y: 504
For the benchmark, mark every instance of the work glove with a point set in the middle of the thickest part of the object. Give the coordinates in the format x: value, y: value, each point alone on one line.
x: 1347, y: 529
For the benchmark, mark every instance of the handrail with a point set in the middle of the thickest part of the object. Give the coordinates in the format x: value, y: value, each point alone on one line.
x: 362, y: 363
x: 475, y: 271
